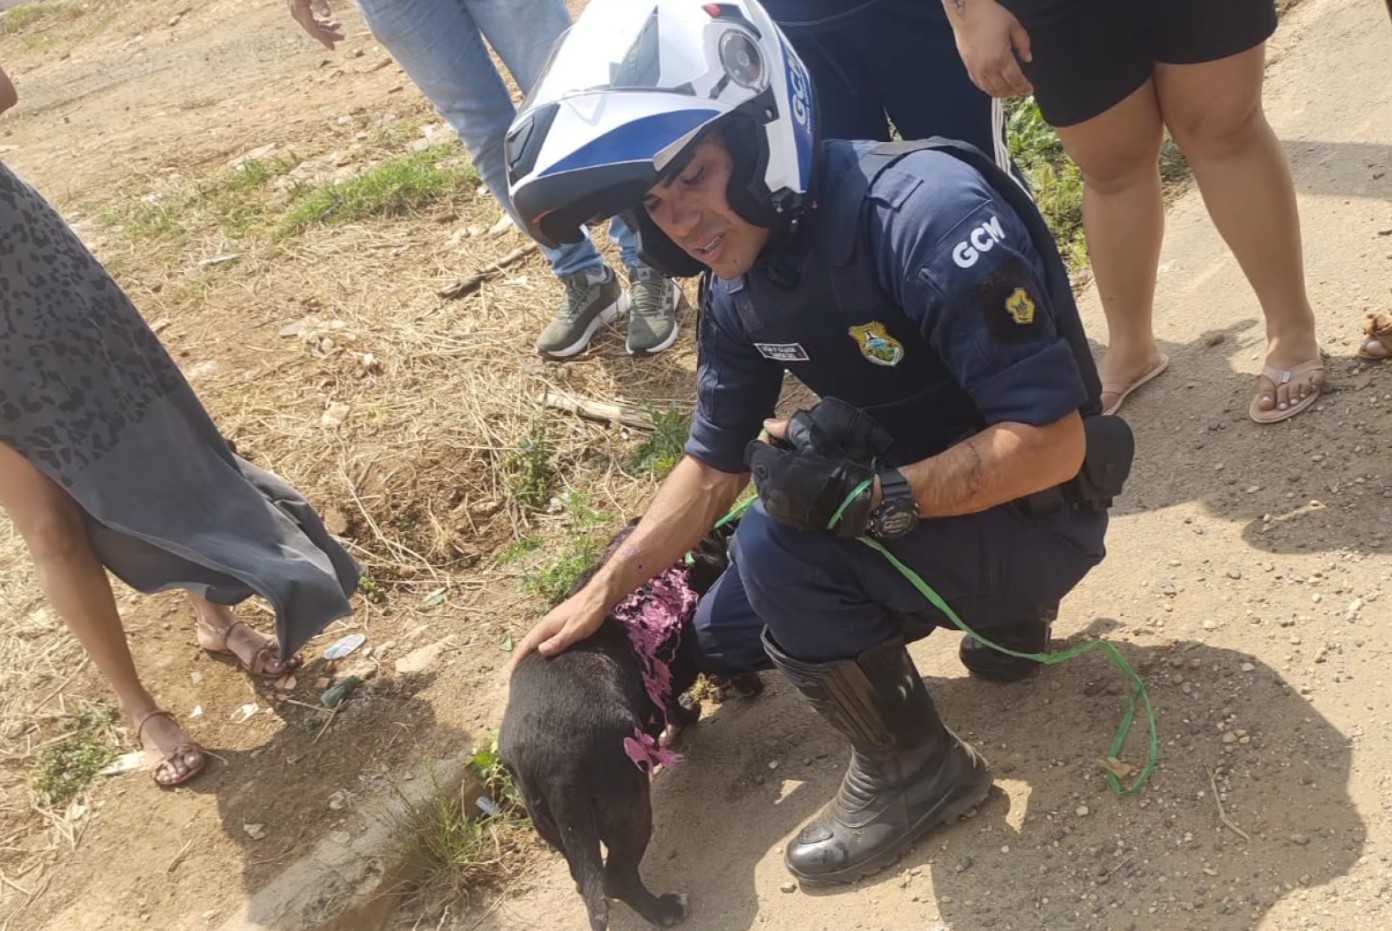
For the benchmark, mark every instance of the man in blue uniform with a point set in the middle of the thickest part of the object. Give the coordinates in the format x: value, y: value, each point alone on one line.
x: 916, y: 290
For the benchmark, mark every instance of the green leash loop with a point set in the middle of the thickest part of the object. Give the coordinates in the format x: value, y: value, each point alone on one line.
x: 1139, y: 694
x: 1138, y: 687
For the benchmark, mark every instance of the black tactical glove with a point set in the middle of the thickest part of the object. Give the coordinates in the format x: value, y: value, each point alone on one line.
x: 805, y: 491
x: 830, y: 452
x: 835, y: 429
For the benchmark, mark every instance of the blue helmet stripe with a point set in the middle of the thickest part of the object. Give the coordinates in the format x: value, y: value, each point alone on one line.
x: 637, y: 141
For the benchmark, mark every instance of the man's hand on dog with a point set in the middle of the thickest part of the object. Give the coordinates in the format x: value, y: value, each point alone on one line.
x: 802, y: 486
x: 571, y: 621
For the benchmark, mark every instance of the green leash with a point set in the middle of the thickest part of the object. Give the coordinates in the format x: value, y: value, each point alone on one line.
x: 1139, y: 694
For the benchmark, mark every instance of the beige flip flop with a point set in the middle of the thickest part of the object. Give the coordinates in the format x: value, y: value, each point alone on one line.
x: 1279, y: 377
x: 1123, y: 389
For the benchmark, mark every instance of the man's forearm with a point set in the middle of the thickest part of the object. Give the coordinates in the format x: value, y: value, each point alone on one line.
x: 692, y: 498
x: 1002, y: 463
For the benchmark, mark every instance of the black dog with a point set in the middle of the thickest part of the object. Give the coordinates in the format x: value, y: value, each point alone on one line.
x: 563, y: 740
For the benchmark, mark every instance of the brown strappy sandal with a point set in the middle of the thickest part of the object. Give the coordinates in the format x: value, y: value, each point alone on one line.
x: 188, y: 748
x: 263, y: 657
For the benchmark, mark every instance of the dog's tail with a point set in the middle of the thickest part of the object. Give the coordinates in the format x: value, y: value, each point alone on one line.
x: 578, y: 828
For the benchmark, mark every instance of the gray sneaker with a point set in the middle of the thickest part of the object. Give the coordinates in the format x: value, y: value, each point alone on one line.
x: 653, y: 299
x: 588, y: 304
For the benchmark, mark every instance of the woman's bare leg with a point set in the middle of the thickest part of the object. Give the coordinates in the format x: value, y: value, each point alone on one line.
x: 1214, y: 111
x: 76, y: 585
x: 1118, y: 153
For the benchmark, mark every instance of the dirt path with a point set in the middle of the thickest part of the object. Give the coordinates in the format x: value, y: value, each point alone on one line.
x: 1248, y: 578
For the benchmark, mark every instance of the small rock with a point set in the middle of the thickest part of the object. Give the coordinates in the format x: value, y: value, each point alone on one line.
x: 334, y: 416
x: 773, y: 764
x: 338, y: 800
x: 1234, y: 573
x: 1229, y: 738
x: 255, y: 831
x: 1300, y: 839
x: 1210, y: 624
x: 423, y: 658
x: 964, y: 864
x: 1247, y: 667
x: 1316, y: 597
x: 1082, y: 811
x: 364, y: 669
x: 1253, y: 489
x: 196, y: 677
x: 789, y: 886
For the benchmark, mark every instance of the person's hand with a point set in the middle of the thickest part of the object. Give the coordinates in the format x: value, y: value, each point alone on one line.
x: 808, y: 491
x: 315, y: 17
x: 571, y: 621
x: 992, y: 44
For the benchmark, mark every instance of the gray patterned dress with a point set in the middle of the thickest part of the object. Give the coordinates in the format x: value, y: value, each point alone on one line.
x: 91, y: 398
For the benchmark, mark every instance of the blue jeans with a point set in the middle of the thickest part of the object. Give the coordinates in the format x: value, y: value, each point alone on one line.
x: 440, y: 44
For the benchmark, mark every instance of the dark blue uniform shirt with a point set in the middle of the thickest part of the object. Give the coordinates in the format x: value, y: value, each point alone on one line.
x: 955, y: 330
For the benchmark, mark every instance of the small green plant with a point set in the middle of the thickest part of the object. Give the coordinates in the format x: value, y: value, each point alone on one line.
x: 66, y: 768
x: 662, y: 449
x: 371, y: 589
x: 551, y: 566
x: 497, y: 781
x: 580, y: 546
x: 396, y: 187
x: 453, y: 852
x: 529, y: 471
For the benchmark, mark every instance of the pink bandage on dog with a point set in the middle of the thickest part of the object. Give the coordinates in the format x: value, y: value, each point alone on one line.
x: 653, y: 617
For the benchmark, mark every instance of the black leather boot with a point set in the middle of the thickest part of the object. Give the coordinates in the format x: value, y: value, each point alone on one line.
x: 908, y: 772
x: 986, y: 663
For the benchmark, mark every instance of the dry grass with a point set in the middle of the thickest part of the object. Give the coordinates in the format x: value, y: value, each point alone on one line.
x: 37, y: 661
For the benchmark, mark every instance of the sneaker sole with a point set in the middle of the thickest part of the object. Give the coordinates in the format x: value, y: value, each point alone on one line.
x: 943, y: 816
x: 607, y: 315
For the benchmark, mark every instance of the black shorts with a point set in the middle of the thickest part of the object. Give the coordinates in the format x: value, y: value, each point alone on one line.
x: 1090, y: 55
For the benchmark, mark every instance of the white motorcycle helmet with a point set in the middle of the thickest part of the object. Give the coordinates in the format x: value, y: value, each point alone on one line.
x: 630, y: 88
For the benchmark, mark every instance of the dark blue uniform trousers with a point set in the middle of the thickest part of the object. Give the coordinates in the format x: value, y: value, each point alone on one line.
x: 826, y: 599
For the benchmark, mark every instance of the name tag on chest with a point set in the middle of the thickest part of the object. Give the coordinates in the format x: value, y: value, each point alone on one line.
x: 782, y: 352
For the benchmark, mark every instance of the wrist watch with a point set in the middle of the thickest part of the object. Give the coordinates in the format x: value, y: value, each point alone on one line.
x: 898, y: 511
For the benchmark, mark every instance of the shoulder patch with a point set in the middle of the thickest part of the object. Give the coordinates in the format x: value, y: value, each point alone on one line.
x: 1020, y: 307
x: 1009, y: 302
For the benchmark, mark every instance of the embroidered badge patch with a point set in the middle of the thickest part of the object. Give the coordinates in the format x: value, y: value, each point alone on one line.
x: 782, y: 352
x: 1020, y: 307
x: 876, y: 344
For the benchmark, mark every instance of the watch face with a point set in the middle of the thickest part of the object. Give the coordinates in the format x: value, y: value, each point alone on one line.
x: 897, y: 522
